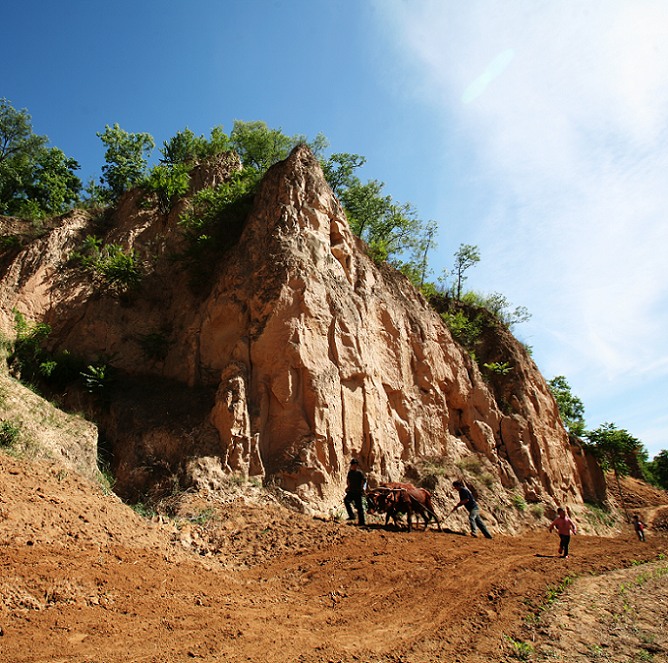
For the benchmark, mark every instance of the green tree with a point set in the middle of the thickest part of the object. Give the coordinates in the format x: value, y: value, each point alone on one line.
x: 392, y: 231
x: 466, y: 257
x: 35, y: 180
x: 260, y: 147
x: 615, y: 449
x: 365, y: 208
x: 659, y: 468
x: 339, y: 171
x: 169, y: 182
x: 188, y: 148
x: 499, y: 306
x: 54, y: 188
x: 125, y: 160
x: 184, y: 147
x: 570, y: 407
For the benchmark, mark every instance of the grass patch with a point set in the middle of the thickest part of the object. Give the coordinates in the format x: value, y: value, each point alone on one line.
x: 518, y: 502
x: 537, y: 511
x: 522, y: 651
x: 9, y: 434
x: 144, y: 510
x: 203, y: 517
x: 599, y: 516
x: 470, y: 464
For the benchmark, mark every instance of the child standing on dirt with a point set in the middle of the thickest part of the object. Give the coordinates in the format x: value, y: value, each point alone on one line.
x: 639, y: 527
x: 565, y: 527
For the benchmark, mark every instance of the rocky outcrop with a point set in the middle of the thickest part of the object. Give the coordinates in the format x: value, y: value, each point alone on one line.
x: 302, y: 353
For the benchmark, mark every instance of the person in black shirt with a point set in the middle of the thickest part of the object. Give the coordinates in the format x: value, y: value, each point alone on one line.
x: 466, y: 499
x: 355, y: 491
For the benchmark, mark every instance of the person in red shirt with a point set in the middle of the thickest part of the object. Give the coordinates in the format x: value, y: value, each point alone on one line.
x: 565, y: 527
x: 639, y: 527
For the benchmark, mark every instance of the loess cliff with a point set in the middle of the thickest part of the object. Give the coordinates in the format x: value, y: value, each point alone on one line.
x: 299, y: 353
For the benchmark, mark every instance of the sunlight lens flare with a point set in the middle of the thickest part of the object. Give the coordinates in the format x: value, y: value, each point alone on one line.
x: 493, y: 70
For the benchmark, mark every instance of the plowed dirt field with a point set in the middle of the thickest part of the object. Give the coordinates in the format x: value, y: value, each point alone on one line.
x: 84, y: 578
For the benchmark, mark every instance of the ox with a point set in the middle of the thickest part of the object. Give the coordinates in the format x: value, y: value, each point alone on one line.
x: 396, y: 498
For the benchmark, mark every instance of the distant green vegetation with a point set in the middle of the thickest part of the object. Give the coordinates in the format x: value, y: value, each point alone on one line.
x: 615, y: 448
x: 571, y: 408
x: 29, y: 361
x: 36, y: 181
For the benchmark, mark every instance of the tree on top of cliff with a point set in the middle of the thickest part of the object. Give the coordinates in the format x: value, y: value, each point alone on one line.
x: 571, y: 408
x: 126, y: 160
x: 466, y: 257
x: 260, y: 147
x: 659, y: 468
x: 392, y: 230
x: 618, y: 451
x: 187, y: 148
x: 35, y: 180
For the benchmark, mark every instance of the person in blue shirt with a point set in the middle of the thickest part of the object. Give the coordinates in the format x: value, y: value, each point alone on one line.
x: 466, y: 500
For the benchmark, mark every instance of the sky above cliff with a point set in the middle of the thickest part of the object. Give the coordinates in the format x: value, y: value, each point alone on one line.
x: 536, y: 130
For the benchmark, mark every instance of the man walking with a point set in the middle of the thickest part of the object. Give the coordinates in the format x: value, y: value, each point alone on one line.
x: 355, y: 483
x: 466, y: 500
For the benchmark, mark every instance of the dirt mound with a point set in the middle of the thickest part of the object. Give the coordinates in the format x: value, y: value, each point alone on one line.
x: 85, y: 578
x: 247, y: 529
x: 636, y: 494
x: 45, y: 503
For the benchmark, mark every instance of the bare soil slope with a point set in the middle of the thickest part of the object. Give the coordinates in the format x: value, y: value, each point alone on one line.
x: 84, y: 578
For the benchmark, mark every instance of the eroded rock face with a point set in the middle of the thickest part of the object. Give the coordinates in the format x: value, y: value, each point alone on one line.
x: 311, y: 352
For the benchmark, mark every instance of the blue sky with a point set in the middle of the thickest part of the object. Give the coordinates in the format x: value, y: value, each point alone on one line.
x: 536, y: 130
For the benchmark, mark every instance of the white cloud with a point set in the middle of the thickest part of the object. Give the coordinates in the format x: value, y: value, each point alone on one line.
x: 571, y: 135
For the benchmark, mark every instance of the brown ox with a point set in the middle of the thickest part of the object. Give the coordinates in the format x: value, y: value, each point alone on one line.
x: 377, y: 499
x: 395, y: 499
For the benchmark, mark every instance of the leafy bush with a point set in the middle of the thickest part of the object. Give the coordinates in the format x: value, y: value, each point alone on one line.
x: 105, y: 477
x: 522, y: 651
x: 117, y: 269
x: 27, y: 356
x: 518, y: 502
x: 96, y: 378
x: 470, y: 464
x: 168, y: 183
x: 499, y: 368
x: 144, y: 510
x: 9, y: 434
x: 215, y: 218
x: 499, y: 306
x: 465, y: 330
x: 598, y: 515
x: 187, y: 148
x: 9, y: 242
x: 88, y: 253
x: 537, y: 510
